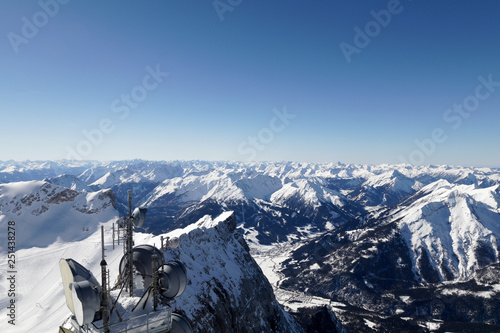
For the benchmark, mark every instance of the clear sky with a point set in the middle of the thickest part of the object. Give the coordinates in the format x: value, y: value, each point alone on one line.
x: 351, y: 81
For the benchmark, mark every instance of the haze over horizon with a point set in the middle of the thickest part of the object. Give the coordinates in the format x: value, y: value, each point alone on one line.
x: 5, y: 164
x: 368, y: 82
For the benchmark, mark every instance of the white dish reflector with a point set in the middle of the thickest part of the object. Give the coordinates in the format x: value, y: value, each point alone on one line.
x: 139, y: 215
x: 173, y: 279
x: 86, y: 301
x: 76, y: 283
x: 180, y: 324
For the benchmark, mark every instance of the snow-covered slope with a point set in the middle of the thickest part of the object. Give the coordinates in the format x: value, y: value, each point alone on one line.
x: 385, y: 189
x: 40, y: 302
x: 214, y: 186
x: 458, y: 226
x: 45, y: 213
x: 50, y: 222
x: 304, y: 193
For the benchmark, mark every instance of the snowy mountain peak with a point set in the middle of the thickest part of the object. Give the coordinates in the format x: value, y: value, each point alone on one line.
x: 457, y: 227
x: 46, y: 212
x: 305, y: 193
x: 69, y: 181
x: 224, y: 279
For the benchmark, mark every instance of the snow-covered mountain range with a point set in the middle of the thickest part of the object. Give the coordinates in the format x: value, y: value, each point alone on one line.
x: 375, y: 246
x: 226, y: 292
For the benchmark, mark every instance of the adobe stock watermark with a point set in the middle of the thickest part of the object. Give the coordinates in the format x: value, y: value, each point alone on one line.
x: 453, y: 116
x: 223, y: 6
x: 31, y: 26
x: 253, y: 144
x: 363, y: 37
x: 122, y: 107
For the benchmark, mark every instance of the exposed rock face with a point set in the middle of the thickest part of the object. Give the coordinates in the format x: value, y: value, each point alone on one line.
x: 227, y: 290
x: 19, y: 197
x: 319, y: 320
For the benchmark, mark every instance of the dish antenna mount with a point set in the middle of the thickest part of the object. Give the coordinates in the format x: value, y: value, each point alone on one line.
x: 134, y: 219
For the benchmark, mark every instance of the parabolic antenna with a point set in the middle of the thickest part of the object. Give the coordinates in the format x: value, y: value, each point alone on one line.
x: 86, y: 301
x: 139, y: 215
x: 180, y: 324
x: 71, y: 272
x: 142, y: 258
x: 173, y: 279
x: 173, y: 242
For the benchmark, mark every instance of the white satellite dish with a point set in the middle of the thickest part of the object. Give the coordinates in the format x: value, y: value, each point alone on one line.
x: 72, y: 271
x: 142, y: 259
x: 173, y: 279
x: 180, y: 324
x: 80, y: 288
x: 173, y: 242
x: 86, y: 301
x: 139, y: 215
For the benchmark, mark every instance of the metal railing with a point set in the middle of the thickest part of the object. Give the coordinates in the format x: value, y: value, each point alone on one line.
x: 153, y: 322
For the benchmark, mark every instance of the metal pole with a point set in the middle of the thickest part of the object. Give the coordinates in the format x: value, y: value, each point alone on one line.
x: 102, y: 242
x: 113, y: 235
x: 130, y: 258
x: 104, y: 293
x: 109, y: 281
x: 129, y: 192
x: 155, y: 280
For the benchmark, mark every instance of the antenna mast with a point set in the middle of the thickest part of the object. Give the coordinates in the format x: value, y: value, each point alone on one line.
x: 104, y: 293
x: 129, y: 245
x: 155, y: 280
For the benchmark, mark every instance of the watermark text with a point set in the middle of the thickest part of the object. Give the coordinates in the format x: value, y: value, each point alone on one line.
x: 121, y: 107
x: 11, y: 272
x: 453, y: 116
x: 223, y: 6
x: 31, y: 26
x: 363, y: 37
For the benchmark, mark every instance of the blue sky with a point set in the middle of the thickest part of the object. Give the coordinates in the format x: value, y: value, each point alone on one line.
x: 351, y: 81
